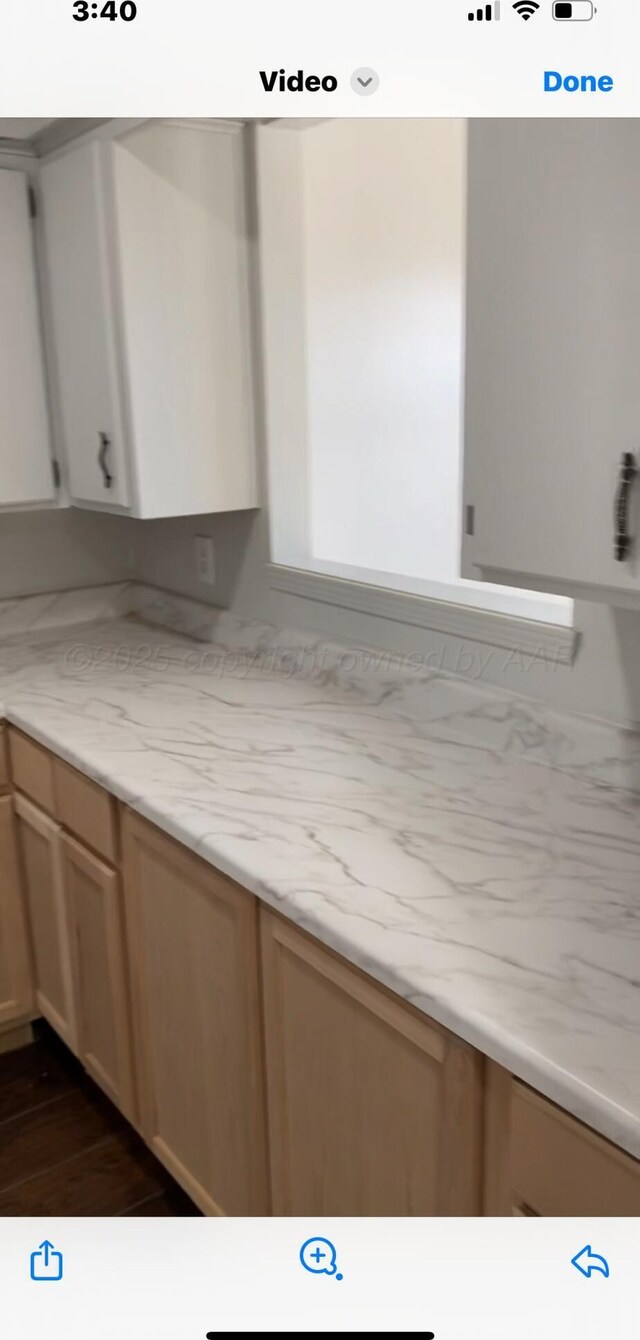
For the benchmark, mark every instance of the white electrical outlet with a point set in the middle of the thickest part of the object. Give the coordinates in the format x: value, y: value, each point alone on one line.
x: 205, y: 560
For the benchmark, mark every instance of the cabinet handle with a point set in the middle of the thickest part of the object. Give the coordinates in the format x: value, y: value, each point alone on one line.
x: 105, y: 443
x: 628, y: 472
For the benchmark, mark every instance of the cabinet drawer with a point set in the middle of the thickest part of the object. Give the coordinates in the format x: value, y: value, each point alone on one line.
x: 86, y: 809
x: 561, y: 1167
x: 4, y: 762
x: 542, y: 1161
x: 32, y: 770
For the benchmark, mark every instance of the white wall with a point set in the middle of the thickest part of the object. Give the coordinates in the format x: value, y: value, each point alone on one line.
x: 57, y: 550
x: 362, y: 260
x: 384, y: 206
x: 362, y: 246
x: 43, y: 551
x: 604, y: 681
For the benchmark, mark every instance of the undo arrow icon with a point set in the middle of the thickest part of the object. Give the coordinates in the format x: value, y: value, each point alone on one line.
x: 587, y: 1262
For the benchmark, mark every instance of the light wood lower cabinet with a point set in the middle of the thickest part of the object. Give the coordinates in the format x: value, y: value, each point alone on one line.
x: 40, y: 840
x: 16, y: 995
x: 541, y: 1161
x: 193, y: 944
x: 87, y: 811
x: 373, y: 1110
x: 32, y: 770
x: 4, y: 761
x: 94, y: 899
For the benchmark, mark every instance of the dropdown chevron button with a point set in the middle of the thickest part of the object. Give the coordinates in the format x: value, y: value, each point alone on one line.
x: 365, y: 81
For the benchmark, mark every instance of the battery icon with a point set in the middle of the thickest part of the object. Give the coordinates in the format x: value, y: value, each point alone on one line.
x: 573, y: 11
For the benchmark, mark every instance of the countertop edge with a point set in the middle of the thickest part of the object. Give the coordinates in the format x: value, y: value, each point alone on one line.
x: 587, y: 1105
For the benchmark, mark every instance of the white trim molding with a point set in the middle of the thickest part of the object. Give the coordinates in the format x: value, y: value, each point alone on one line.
x: 573, y: 590
x: 545, y: 641
x: 21, y: 149
x: 62, y: 132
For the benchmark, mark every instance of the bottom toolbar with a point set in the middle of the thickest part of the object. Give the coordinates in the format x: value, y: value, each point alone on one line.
x: 190, y: 1279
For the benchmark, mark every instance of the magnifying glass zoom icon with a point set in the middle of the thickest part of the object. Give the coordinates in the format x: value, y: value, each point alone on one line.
x: 319, y: 1257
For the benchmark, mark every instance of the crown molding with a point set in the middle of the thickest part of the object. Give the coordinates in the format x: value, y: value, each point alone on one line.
x: 62, y: 131
x: 16, y: 149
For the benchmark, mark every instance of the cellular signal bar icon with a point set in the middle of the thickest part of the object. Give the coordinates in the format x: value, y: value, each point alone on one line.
x: 487, y: 12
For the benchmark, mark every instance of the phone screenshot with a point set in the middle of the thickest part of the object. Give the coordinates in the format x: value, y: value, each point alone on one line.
x: 319, y: 669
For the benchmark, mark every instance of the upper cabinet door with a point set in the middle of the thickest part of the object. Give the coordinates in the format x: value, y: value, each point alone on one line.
x: 148, y: 259
x: 553, y: 354
x: 182, y: 245
x: 26, y: 477
x: 83, y: 320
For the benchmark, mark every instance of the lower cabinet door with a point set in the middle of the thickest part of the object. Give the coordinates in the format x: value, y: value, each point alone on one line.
x: 541, y: 1161
x: 94, y: 899
x: 373, y: 1110
x: 41, y: 845
x: 16, y: 995
x: 193, y: 948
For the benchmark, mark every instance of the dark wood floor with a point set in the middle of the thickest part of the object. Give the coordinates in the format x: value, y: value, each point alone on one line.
x: 64, y: 1149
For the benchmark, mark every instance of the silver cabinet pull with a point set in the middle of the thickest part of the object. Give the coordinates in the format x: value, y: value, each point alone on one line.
x: 103, y: 451
x: 622, y: 538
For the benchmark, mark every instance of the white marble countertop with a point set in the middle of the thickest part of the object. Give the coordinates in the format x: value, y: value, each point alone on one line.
x: 453, y: 842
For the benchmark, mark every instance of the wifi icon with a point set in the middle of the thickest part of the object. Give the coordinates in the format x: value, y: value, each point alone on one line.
x: 526, y: 9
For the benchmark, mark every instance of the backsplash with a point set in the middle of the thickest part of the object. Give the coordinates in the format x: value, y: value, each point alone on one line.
x: 457, y: 709
x: 59, y: 609
x: 507, y: 722
x: 63, y: 549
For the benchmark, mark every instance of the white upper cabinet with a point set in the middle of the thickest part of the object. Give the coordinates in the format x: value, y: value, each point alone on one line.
x: 85, y: 346
x: 181, y: 240
x: 26, y: 474
x: 553, y: 356
x: 148, y: 267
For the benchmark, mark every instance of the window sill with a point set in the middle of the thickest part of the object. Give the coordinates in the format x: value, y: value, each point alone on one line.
x: 544, y: 641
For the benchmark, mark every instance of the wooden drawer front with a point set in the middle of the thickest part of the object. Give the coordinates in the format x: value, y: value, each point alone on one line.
x: 32, y: 770
x: 560, y: 1167
x: 86, y: 809
x: 4, y: 761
